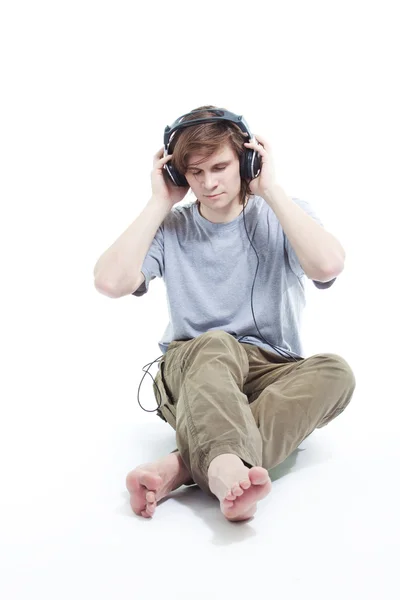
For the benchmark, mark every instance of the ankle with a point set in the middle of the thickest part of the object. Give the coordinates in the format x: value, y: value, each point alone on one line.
x: 178, y: 475
x: 184, y: 476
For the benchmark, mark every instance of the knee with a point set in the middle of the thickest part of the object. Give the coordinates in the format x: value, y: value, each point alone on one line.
x: 338, y: 363
x: 220, y: 338
x: 217, y: 335
x: 225, y: 344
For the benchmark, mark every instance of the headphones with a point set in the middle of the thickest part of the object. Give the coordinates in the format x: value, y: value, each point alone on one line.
x: 250, y: 168
x: 250, y: 162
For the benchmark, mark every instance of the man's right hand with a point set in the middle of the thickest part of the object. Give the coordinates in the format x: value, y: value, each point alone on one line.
x: 162, y: 186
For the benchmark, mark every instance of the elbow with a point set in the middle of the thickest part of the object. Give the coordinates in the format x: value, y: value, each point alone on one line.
x: 328, y: 274
x: 110, y: 290
x: 335, y: 266
x: 105, y: 288
x: 333, y: 272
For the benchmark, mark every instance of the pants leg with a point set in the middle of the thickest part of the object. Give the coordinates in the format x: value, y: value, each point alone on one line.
x: 203, y: 400
x: 290, y: 400
x: 222, y: 396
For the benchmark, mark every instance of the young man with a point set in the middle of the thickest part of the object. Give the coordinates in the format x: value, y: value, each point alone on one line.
x: 238, y: 408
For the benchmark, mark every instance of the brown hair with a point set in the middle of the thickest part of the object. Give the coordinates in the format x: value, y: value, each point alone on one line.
x: 207, y: 138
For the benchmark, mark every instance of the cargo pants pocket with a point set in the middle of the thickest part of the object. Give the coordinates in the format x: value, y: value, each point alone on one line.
x: 162, y: 398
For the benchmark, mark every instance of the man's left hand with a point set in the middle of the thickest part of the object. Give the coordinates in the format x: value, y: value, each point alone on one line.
x: 265, y: 182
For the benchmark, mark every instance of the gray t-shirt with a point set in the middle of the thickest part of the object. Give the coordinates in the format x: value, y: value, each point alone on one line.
x: 209, y: 268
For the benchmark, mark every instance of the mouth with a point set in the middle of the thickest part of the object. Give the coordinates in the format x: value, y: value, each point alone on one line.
x: 216, y: 196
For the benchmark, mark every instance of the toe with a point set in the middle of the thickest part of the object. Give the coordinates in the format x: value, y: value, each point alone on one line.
x: 258, y: 476
x: 245, y: 484
x: 150, y: 480
x: 230, y: 496
x: 150, y: 497
x: 237, y: 490
x: 150, y: 508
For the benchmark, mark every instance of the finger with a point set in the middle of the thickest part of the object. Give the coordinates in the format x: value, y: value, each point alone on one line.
x: 256, y: 145
x: 255, y: 138
x: 258, y: 142
x: 163, y: 160
x: 160, y: 154
x: 262, y: 140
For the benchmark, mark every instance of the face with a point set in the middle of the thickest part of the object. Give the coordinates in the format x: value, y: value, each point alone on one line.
x: 219, y: 174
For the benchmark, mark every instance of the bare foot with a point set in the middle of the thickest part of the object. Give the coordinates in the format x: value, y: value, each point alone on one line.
x: 149, y: 483
x: 237, y: 487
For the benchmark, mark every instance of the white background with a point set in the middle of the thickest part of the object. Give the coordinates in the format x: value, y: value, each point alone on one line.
x: 87, y: 89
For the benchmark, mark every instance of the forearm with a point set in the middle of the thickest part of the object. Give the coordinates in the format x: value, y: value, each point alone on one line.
x: 319, y: 252
x: 118, y: 268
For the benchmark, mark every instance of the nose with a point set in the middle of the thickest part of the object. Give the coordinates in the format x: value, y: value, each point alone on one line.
x: 209, y: 182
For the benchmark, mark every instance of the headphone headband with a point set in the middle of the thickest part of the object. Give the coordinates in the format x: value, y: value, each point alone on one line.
x: 220, y: 115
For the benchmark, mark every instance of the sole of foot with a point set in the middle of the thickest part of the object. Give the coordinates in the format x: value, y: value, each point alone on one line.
x: 149, y: 483
x: 237, y: 487
x: 144, y: 487
x: 240, y: 503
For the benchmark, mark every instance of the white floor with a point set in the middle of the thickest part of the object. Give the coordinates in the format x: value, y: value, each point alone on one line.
x: 85, y: 100
x: 329, y: 528
x: 71, y: 429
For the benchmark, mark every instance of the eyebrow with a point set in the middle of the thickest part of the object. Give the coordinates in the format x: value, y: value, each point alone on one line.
x: 225, y: 162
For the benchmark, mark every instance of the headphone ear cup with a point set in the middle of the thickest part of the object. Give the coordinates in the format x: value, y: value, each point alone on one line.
x: 243, y: 170
x: 250, y: 164
x: 257, y: 164
x: 176, y: 177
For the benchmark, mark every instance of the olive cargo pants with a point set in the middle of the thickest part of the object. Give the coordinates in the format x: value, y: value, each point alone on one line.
x: 222, y: 396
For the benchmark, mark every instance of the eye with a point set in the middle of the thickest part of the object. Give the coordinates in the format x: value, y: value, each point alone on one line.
x: 216, y: 168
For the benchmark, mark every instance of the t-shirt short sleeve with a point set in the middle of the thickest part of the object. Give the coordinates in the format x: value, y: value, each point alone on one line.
x: 153, y: 264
